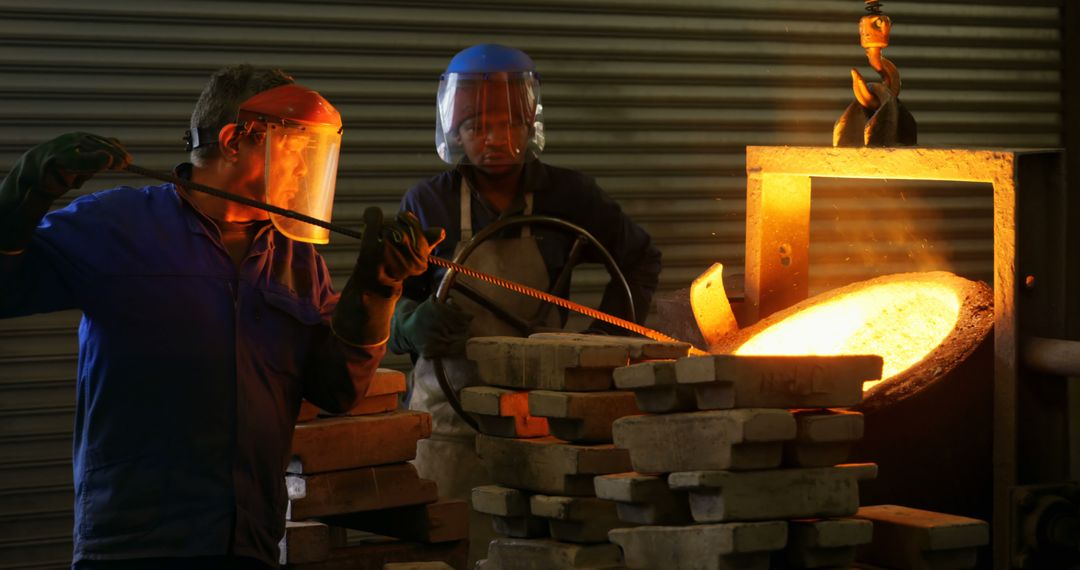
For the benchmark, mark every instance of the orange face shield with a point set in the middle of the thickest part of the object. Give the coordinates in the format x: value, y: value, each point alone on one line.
x: 303, y: 142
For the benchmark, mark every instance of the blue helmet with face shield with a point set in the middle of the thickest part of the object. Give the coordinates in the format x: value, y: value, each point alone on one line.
x: 488, y: 108
x: 488, y: 58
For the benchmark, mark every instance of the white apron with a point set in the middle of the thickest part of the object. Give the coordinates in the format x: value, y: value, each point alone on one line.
x: 449, y: 456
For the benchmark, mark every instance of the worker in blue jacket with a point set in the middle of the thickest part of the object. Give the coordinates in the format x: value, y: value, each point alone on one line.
x: 204, y: 322
x: 489, y: 127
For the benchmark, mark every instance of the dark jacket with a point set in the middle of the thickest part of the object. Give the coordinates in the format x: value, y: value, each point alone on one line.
x: 190, y: 372
x: 557, y: 192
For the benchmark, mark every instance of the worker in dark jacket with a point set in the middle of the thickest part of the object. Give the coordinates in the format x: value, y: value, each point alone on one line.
x: 204, y: 322
x: 490, y: 128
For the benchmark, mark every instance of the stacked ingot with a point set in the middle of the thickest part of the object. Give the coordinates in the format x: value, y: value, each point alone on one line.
x: 543, y: 456
x: 739, y: 462
x: 921, y: 540
x: 350, y: 472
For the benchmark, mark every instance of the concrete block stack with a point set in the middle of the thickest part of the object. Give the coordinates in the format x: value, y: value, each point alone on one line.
x: 739, y: 463
x: 350, y: 472
x: 544, y: 506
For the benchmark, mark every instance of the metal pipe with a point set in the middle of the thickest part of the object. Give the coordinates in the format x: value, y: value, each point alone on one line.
x: 1053, y: 356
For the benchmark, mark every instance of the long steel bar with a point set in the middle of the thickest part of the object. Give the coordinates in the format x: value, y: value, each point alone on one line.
x: 486, y: 277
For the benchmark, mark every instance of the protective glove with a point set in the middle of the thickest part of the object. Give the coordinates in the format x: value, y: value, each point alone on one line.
x: 430, y: 328
x: 390, y: 252
x: 44, y: 174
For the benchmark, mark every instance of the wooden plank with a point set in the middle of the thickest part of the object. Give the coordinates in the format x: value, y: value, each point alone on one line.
x: 442, y: 521
x: 357, y: 490
x: 332, y: 444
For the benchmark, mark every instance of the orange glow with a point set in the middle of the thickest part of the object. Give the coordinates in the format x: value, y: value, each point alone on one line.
x: 901, y: 321
x: 710, y: 304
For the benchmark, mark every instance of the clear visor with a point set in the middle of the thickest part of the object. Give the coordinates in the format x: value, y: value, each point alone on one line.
x: 490, y: 119
x: 301, y: 171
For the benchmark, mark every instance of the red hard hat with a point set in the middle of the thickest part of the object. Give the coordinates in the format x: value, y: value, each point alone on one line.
x: 289, y: 103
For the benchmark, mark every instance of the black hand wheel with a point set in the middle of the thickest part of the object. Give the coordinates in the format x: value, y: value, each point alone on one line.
x: 525, y: 326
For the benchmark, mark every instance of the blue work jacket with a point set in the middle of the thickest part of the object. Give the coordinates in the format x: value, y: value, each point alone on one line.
x: 190, y: 371
x: 557, y: 192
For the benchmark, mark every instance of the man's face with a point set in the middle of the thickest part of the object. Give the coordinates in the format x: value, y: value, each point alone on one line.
x: 288, y: 167
x: 495, y: 140
x: 497, y: 123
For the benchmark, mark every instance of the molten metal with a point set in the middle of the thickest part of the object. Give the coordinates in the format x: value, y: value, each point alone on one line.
x: 900, y: 321
x: 922, y: 325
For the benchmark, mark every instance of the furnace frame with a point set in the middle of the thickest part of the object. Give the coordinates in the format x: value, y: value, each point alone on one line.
x: 1031, y: 420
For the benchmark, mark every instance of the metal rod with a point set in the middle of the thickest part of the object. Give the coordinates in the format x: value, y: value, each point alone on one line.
x: 545, y: 296
x: 1053, y: 356
x: 504, y: 283
x: 170, y: 177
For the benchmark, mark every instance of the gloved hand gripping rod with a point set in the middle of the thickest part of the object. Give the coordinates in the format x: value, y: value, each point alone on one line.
x: 467, y: 271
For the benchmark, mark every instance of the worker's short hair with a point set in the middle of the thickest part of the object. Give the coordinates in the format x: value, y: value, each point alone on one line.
x: 221, y: 98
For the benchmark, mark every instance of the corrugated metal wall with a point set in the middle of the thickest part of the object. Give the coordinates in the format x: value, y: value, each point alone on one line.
x: 655, y: 98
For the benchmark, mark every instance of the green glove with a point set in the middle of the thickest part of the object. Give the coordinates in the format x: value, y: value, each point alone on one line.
x: 390, y: 252
x: 44, y: 174
x: 430, y: 328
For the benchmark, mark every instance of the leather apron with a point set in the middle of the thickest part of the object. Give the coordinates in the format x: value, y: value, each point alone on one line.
x: 449, y: 457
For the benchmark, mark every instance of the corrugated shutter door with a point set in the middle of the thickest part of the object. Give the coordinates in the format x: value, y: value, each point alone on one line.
x: 655, y: 98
